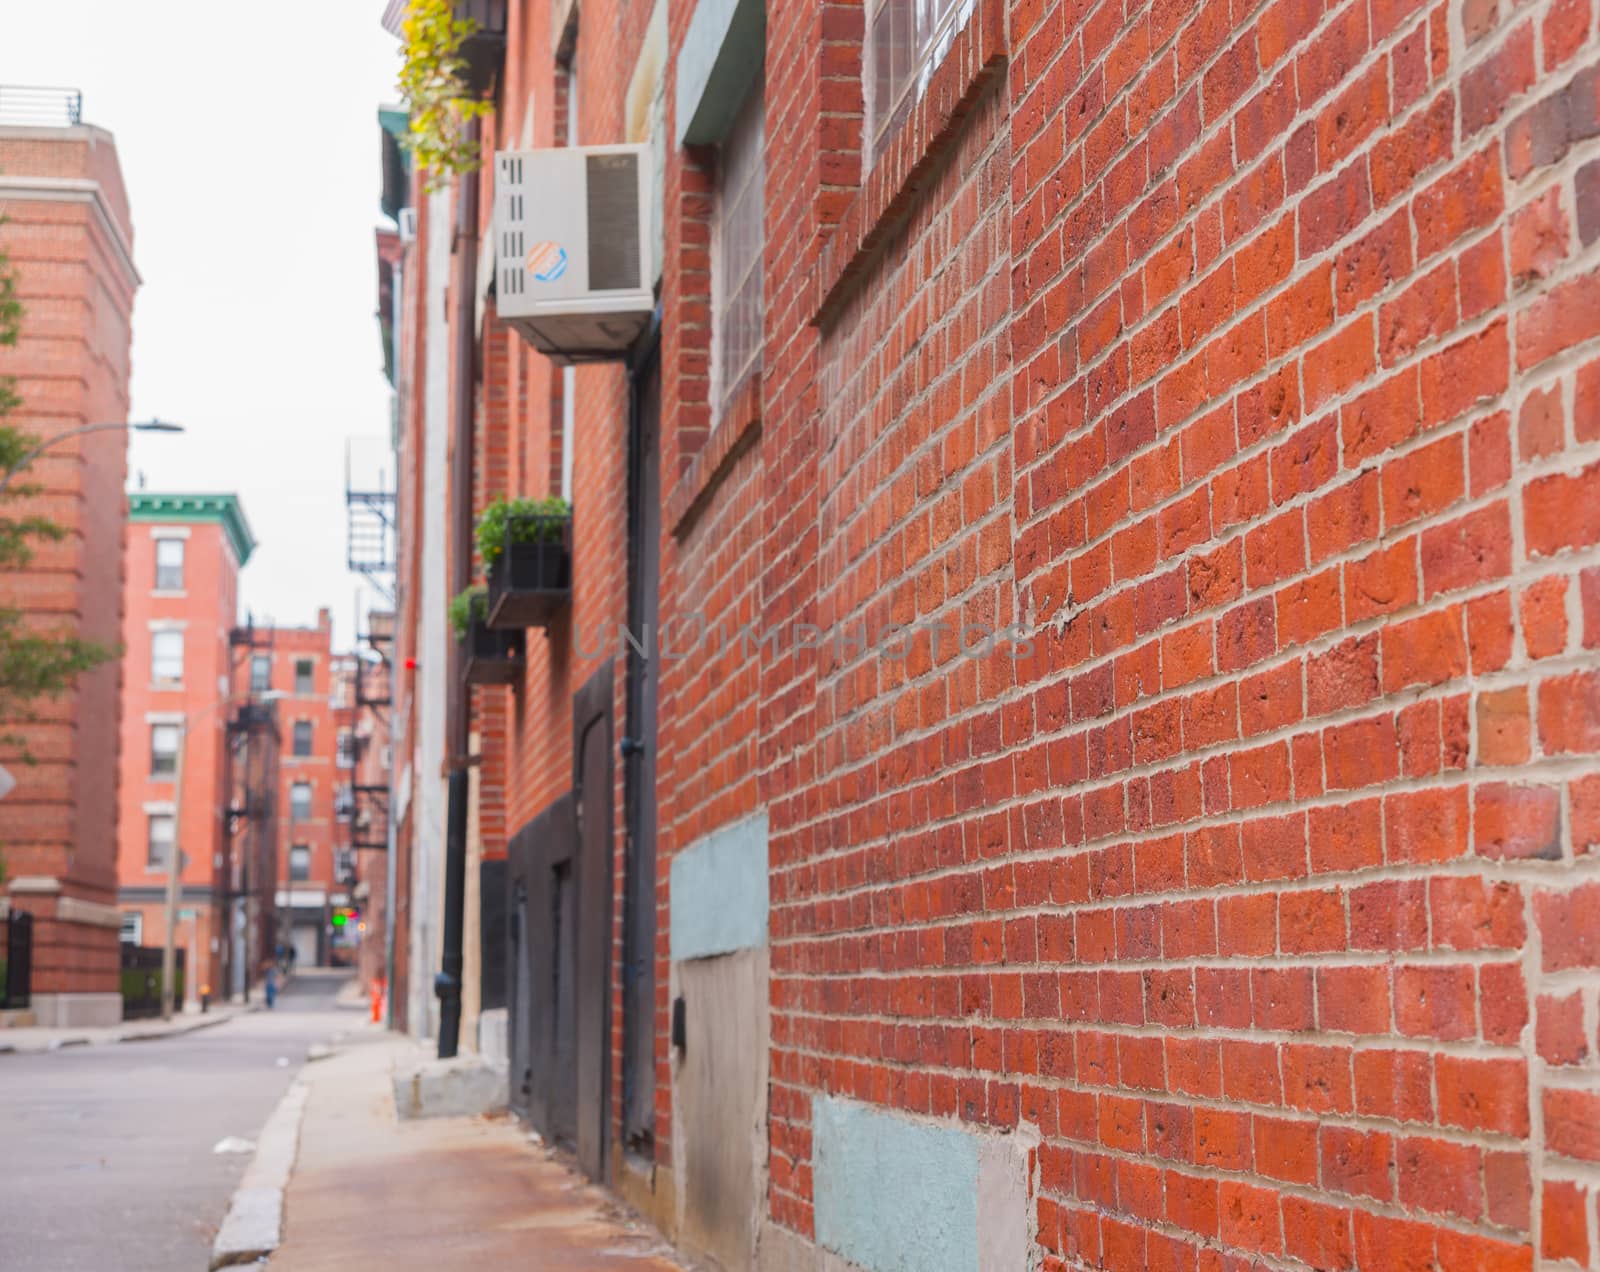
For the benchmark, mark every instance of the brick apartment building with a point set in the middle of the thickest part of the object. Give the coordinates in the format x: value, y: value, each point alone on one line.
x: 1122, y: 482
x: 298, y: 667
x: 69, y: 236
x: 183, y: 557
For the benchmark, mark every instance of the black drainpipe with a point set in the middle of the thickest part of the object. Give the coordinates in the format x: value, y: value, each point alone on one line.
x: 447, y: 985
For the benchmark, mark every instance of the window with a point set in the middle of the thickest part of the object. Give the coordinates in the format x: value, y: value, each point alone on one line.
x: 300, y: 802
x: 737, y: 240
x: 299, y: 863
x: 132, y: 927
x: 169, y: 565
x: 166, y: 657
x: 344, y: 802
x: 304, y: 675
x: 347, y: 749
x: 906, y: 41
x: 344, y: 865
x: 163, y: 750
x: 260, y: 673
x: 163, y: 831
x: 302, y: 738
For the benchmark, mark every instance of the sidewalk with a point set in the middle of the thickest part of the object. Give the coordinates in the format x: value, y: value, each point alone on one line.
x: 32, y: 1038
x: 370, y: 1191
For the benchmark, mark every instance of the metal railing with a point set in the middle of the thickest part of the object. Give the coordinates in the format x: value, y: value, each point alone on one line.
x: 39, y: 107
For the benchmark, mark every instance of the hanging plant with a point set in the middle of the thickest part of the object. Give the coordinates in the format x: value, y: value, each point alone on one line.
x: 436, y: 93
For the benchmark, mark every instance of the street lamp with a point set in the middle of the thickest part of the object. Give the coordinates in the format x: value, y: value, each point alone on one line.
x: 137, y: 426
x: 169, y: 957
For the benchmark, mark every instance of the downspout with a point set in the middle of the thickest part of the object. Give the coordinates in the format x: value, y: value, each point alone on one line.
x: 447, y: 985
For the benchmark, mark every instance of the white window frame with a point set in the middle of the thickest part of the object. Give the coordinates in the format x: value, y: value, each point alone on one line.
x: 260, y: 684
x: 169, y: 541
x: 310, y: 736
x: 305, y: 851
x: 929, y: 28
x: 345, y: 748
x: 151, y: 864
x: 739, y: 204
x: 310, y: 797
x: 132, y: 927
x: 312, y: 676
x: 157, y: 662
x: 159, y: 727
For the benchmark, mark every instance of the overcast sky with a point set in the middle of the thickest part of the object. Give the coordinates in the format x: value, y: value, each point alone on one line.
x: 248, y: 138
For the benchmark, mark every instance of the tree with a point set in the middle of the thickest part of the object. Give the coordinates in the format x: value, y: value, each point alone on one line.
x: 34, y: 664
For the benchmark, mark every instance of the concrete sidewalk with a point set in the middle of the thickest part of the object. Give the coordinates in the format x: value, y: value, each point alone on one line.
x: 370, y: 1191
x: 27, y: 1039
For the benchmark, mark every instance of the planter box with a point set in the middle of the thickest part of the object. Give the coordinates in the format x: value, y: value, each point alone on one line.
x: 484, y: 51
x: 531, y: 583
x: 493, y: 657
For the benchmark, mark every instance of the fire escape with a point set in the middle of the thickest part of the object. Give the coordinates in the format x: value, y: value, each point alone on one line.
x: 252, y: 783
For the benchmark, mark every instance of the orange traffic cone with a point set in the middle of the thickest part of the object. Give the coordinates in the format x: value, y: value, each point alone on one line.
x: 377, y: 999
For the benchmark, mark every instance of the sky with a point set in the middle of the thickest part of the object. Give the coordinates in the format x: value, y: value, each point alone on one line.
x: 248, y: 139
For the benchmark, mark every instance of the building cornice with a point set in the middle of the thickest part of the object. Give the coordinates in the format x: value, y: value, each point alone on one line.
x: 225, y: 510
x: 75, y: 190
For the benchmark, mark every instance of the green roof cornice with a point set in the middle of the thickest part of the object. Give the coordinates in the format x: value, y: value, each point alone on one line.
x: 225, y: 510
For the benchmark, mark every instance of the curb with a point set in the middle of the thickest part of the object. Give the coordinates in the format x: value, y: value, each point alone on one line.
x: 177, y: 1031
x: 254, y: 1225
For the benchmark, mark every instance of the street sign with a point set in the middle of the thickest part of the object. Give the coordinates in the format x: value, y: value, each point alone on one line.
x: 7, y: 783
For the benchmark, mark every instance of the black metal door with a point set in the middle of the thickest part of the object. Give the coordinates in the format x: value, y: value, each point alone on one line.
x: 543, y: 991
x: 590, y: 889
x: 639, y: 767
x: 17, y: 988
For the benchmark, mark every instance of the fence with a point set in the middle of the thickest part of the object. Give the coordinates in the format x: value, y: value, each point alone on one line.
x: 16, y: 959
x: 141, y: 981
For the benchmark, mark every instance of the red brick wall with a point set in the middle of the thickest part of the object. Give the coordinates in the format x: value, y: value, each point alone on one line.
x: 1252, y: 349
x: 1249, y: 353
x: 71, y: 368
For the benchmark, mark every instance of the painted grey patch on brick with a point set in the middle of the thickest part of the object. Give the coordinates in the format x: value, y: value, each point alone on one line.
x: 719, y: 892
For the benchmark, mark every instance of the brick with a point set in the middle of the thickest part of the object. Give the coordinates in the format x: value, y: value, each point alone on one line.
x: 1475, y: 914
x: 1488, y: 87
x: 1435, y: 1002
x: 1483, y: 1095
x: 1569, y: 927
x: 1564, y: 1230
x: 1569, y: 714
x: 1441, y: 1177
x: 1539, y: 235
x: 1517, y: 822
x: 1572, y: 1123
x: 1559, y: 1033
x: 1562, y: 511
x: 1359, y: 1163
x: 1544, y: 617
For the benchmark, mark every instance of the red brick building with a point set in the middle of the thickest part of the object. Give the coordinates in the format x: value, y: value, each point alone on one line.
x: 183, y: 557
x: 69, y: 236
x: 1123, y: 792
x: 297, y: 666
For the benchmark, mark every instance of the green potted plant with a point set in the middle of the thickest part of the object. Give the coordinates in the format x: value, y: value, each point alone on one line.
x: 492, y: 657
x: 526, y: 546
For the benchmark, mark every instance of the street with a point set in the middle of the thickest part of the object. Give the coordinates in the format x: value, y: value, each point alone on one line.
x: 108, y: 1160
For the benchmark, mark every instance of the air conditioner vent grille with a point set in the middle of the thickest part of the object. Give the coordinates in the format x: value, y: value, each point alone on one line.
x: 613, y: 222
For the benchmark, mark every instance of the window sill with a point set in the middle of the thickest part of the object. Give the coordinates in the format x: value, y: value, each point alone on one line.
x: 884, y: 199
x: 169, y: 593
x: 734, y: 433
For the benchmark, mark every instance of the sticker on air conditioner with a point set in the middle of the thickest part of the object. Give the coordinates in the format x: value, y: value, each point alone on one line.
x: 547, y: 261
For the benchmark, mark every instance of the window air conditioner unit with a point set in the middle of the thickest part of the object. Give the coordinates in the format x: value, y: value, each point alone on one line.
x: 573, y: 268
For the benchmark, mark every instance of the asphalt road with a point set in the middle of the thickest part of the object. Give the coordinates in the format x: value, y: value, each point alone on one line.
x: 106, y: 1158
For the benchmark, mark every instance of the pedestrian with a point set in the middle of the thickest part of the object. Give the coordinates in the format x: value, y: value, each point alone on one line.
x: 272, y: 986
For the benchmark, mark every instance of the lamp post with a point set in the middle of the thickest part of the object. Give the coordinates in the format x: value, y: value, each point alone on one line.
x: 169, y: 944
x: 137, y: 426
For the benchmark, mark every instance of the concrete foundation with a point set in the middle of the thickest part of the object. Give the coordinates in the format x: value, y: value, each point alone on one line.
x: 74, y: 1011
x: 466, y: 1086
x: 494, y: 1036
